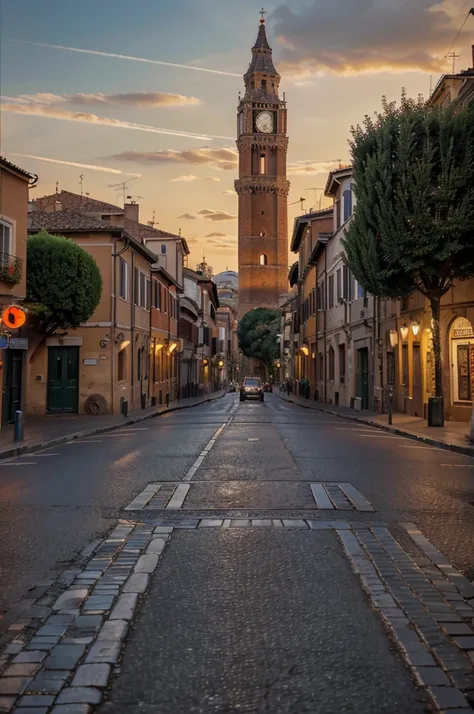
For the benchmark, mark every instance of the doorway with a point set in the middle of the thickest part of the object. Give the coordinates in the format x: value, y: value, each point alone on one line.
x: 417, y: 382
x: 63, y: 379
x: 12, y: 385
x: 362, y: 377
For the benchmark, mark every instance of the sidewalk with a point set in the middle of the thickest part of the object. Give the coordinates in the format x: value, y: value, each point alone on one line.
x: 453, y: 436
x: 44, y: 431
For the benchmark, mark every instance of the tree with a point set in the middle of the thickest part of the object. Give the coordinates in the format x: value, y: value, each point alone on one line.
x: 257, y: 334
x: 413, y: 227
x: 64, y: 284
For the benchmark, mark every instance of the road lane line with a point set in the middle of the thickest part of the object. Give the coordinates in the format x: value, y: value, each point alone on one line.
x: 85, y: 441
x: 320, y: 496
x: 356, y: 497
x: 178, y: 497
x: 18, y: 463
x: 464, y: 466
x: 380, y: 436
x: 196, y: 464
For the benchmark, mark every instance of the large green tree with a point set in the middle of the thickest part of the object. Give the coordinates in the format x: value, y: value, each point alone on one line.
x: 258, y: 335
x: 413, y: 227
x: 64, y: 284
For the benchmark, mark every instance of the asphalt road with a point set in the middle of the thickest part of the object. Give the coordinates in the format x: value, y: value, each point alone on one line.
x: 253, y: 620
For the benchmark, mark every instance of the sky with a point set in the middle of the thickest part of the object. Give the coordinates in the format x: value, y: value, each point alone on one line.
x: 146, y: 92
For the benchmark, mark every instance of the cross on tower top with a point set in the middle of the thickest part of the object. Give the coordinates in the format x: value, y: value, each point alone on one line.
x: 263, y: 13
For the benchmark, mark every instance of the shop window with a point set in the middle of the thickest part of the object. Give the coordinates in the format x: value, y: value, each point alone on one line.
x: 262, y: 164
x: 342, y: 363
x: 263, y: 259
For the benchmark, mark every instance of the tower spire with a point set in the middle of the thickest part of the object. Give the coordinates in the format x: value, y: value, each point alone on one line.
x: 261, y: 77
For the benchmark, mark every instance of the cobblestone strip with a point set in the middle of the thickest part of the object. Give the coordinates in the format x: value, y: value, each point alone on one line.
x: 339, y: 496
x: 64, y: 664
x: 420, y: 617
x: 143, y: 497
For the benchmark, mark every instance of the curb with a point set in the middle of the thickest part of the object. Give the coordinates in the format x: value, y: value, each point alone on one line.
x: 66, y: 438
x: 431, y: 441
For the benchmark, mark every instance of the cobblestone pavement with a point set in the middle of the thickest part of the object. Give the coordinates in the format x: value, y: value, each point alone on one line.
x: 261, y: 559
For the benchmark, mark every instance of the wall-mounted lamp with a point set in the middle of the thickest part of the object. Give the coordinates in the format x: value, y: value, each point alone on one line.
x: 415, y: 327
x: 205, y: 362
x: 172, y: 347
x: 221, y: 364
x: 404, y: 332
x: 304, y: 350
x: 158, y: 347
x: 393, y: 338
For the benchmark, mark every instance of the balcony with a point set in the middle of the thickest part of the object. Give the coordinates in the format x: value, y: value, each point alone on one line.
x: 11, y: 269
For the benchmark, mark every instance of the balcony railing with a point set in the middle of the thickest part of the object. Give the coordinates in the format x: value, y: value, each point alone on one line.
x: 11, y: 269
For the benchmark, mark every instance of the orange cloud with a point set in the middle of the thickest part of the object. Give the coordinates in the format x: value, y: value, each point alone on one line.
x: 224, y: 158
x: 139, y: 99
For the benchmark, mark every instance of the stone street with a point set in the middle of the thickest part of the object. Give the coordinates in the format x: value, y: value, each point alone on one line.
x: 238, y: 558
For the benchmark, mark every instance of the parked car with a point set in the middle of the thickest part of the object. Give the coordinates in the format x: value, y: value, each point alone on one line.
x: 251, y: 388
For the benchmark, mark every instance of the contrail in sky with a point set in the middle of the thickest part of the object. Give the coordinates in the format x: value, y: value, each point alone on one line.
x: 128, y: 57
x: 92, y: 167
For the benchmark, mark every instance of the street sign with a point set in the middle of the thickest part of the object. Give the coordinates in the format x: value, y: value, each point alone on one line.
x: 18, y: 343
x: 3, y: 342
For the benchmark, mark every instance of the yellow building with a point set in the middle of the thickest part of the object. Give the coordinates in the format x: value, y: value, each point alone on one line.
x: 105, y: 364
x: 14, y: 185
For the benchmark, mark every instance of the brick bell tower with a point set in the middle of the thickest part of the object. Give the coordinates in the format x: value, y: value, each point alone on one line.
x: 262, y: 186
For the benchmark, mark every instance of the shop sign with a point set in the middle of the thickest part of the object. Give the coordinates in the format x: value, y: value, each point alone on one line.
x: 463, y: 329
x: 18, y: 343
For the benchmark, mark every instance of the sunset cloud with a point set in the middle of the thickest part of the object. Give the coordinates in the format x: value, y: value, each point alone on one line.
x: 375, y: 36
x: 209, y: 214
x: 188, y: 217
x: 138, y: 99
x: 130, y: 58
x: 91, y: 167
x: 311, y: 168
x: 190, y: 178
x: 53, y: 112
x: 224, y: 158
x: 216, y: 235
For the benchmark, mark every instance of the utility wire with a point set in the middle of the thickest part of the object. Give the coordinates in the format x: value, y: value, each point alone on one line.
x: 471, y: 12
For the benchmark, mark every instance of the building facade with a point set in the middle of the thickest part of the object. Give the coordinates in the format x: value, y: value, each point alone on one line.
x: 14, y: 185
x: 262, y: 186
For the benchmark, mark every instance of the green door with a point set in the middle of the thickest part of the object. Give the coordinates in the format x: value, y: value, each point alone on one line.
x: 63, y: 379
x: 12, y: 385
x: 362, y: 377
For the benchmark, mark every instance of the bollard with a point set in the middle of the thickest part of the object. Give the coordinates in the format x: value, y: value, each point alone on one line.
x: 19, y: 426
x: 390, y: 406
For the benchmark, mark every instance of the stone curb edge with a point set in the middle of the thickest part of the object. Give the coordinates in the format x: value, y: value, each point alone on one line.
x: 29, y: 448
x: 466, y: 450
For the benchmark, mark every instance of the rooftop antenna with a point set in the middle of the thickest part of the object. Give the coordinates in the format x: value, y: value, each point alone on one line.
x: 179, y: 232
x: 453, y: 56
x: 81, y: 183
x: 449, y: 52
x: 57, y: 187
x: 300, y: 200
x: 132, y: 197
x: 317, y: 189
x: 122, y: 187
x: 152, y: 223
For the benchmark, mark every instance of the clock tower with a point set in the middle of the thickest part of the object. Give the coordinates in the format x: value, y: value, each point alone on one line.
x: 262, y: 186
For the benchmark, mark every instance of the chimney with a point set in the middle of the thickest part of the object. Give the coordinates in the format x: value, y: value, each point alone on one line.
x: 131, y: 211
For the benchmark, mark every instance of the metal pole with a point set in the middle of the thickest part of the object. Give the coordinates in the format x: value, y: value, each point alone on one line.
x: 19, y: 426
x: 390, y: 406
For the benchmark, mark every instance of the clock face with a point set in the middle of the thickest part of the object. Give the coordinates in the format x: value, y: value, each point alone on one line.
x: 264, y: 122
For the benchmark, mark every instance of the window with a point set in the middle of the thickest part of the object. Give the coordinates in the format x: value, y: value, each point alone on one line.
x: 338, y: 286
x: 263, y: 259
x: 347, y: 204
x: 319, y: 298
x: 148, y: 294
x: 405, y: 368
x: 122, y: 362
x: 6, y: 239
x: 262, y: 163
x: 155, y: 293
x: 142, y: 293
x: 124, y: 269
x: 346, y: 283
x: 163, y: 249
x: 136, y: 286
x: 360, y: 291
x: 337, y: 212
x: 331, y: 291
x: 331, y: 363
x: 342, y: 363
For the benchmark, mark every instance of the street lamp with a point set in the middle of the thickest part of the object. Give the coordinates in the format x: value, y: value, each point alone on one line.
x: 404, y: 332
x: 393, y: 338
x: 415, y: 327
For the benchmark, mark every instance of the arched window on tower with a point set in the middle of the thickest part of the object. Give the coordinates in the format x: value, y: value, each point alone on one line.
x: 263, y: 162
x: 263, y: 259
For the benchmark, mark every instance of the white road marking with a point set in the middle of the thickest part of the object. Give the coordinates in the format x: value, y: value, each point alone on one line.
x: 195, y: 466
x: 424, y: 448
x: 178, y: 497
x: 253, y: 439
x: 86, y: 441
x: 41, y: 454
x: 464, y: 466
x: 380, y: 436
x: 354, y: 428
x: 320, y: 496
x: 143, y: 497
x: 356, y: 497
x: 18, y: 463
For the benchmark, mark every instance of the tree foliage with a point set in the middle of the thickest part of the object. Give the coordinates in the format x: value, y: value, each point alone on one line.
x: 413, y: 227
x: 257, y: 334
x: 64, y: 284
